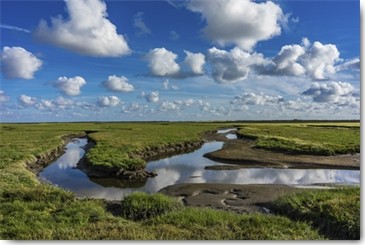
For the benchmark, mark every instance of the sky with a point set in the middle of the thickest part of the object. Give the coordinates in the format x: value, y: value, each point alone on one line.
x: 179, y: 60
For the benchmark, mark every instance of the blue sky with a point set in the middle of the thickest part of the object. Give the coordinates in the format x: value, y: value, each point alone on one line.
x: 86, y: 60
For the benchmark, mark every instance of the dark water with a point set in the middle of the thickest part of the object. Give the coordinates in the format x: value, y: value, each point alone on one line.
x: 185, y: 168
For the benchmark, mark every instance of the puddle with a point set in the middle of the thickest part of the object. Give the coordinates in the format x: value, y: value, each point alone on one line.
x: 185, y: 168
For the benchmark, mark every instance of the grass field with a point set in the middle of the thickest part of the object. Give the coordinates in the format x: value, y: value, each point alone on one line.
x: 311, y: 138
x: 33, y: 210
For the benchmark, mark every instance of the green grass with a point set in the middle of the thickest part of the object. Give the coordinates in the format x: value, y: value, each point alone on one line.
x: 141, y: 206
x: 33, y: 210
x: 335, y: 212
x: 209, y: 224
x: 316, y: 139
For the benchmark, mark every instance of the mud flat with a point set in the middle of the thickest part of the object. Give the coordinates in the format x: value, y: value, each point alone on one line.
x: 242, y: 152
x: 231, y: 197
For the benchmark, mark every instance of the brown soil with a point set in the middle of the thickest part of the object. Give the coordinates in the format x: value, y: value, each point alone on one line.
x: 243, y: 153
x: 231, y: 197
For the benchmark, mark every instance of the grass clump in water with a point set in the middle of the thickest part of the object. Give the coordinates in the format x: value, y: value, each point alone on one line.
x: 335, y: 212
x: 140, y: 206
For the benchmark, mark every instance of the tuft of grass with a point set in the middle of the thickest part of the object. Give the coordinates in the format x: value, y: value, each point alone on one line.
x: 140, y: 206
x: 315, y: 139
x: 335, y: 212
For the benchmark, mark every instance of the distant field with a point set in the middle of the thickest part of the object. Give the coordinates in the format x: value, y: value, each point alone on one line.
x: 33, y: 210
x: 312, y: 138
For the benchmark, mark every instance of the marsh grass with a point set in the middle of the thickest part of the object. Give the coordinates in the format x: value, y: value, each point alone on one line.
x: 336, y: 213
x: 141, y: 206
x: 314, y: 139
x: 209, y: 224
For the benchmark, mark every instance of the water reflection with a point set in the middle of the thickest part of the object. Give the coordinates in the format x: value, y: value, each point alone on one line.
x: 186, y: 168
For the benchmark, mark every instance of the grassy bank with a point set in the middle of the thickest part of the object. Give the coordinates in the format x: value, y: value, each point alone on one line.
x: 33, y: 210
x: 312, y: 138
x: 336, y: 213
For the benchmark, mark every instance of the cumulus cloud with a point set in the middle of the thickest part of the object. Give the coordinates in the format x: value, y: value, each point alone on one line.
x: 140, y: 25
x: 232, y: 66
x: 26, y: 100
x: 87, y: 31
x: 3, y: 97
x: 195, y: 61
x: 167, y: 105
x: 70, y: 86
x: 239, y: 22
x: 334, y: 92
x: 16, y: 62
x: 257, y: 99
x: 167, y: 86
x: 286, y: 62
x: 118, y: 84
x: 152, y: 97
x: 319, y: 60
x: 108, y: 101
x: 162, y: 62
x: 58, y: 103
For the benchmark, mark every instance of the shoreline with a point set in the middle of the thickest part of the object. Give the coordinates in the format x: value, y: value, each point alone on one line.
x: 241, y: 153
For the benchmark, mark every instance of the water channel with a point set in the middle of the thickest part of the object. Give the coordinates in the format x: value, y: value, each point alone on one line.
x: 185, y: 168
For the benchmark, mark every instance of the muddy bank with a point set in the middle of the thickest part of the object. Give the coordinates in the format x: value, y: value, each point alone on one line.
x: 43, y: 160
x: 153, y: 153
x: 243, y: 153
x: 231, y: 197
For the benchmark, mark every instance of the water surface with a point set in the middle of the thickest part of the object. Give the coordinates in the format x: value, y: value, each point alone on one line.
x: 185, y: 168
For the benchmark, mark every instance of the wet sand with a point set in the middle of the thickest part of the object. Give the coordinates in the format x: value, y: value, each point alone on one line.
x: 231, y: 197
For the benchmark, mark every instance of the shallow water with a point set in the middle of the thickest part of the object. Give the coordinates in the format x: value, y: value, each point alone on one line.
x: 185, y: 168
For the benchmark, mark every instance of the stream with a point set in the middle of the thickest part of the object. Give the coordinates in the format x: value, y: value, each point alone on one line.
x: 184, y: 168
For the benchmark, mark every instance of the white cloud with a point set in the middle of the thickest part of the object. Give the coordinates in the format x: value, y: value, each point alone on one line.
x: 353, y: 64
x: 140, y: 25
x: 239, y: 22
x: 257, y: 99
x: 286, y: 62
x: 232, y: 66
x: 17, y: 62
x: 14, y: 28
x: 341, y: 93
x: 62, y: 102
x: 108, y: 101
x: 151, y: 97
x: 70, y: 86
x: 87, y: 31
x: 167, y: 105
x: 3, y: 97
x: 319, y: 60
x: 166, y: 84
x: 195, y: 62
x: 59, y: 103
x: 26, y: 100
x: 137, y: 109
x: 118, y: 84
x: 162, y: 62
